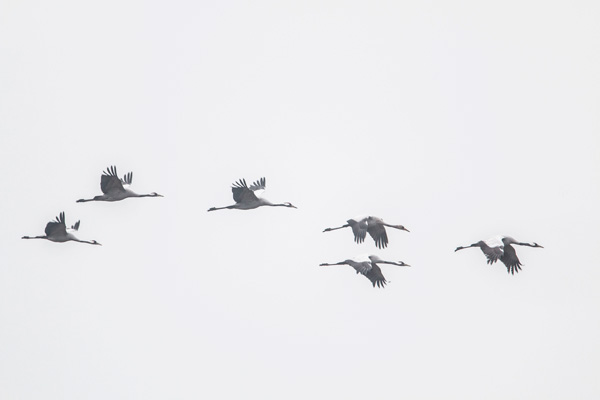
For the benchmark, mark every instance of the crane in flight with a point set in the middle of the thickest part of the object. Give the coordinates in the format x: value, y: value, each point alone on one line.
x: 373, y: 225
x: 368, y: 267
x: 115, y: 188
x: 56, y: 231
x: 246, y: 197
x: 500, y: 248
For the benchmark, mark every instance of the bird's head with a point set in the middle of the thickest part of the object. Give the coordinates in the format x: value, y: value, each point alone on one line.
x: 537, y: 245
x: 290, y: 205
x: 96, y: 243
x: 154, y: 194
x: 402, y: 264
x: 401, y: 227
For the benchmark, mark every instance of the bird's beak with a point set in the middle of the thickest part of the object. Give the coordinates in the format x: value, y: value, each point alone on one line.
x: 406, y: 229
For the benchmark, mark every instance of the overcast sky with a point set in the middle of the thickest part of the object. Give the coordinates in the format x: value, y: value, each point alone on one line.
x: 460, y: 121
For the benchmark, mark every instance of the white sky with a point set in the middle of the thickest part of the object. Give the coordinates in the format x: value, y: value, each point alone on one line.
x: 460, y: 121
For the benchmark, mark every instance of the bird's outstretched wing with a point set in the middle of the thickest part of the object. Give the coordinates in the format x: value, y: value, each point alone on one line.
x: 259, y: 184
x: 510, y: 259
x: 57, y: 227
x: 110, y: 182
x: 362, y: 267
x: 359, y: 228
x: 242, y: 193
x: 127, y: 179
x: 492, y: 254
x: 376, y: 277
x: 379, y: 235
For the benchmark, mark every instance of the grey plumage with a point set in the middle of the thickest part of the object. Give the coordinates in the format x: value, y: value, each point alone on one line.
x: 56, y: 231
x: 368, y: 267
x: 113, y: 189
x: 246, y: 199
x: 375, y: 226
x: 500, y: 248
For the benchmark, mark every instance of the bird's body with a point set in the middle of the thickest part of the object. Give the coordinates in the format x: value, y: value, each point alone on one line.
x: 375, y: 226
x: 116, y: 189
x: 367, y: 266
x: 56, y: 231
x: 500, y: 248
x: 246, y: 196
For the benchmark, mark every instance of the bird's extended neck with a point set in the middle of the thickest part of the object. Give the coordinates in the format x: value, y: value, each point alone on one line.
x: 529, y: 244
x: 88, y: 242
x: 400, y: 264
x: 401, y: 227
x: 146, y: 195
x: 268, y: 203
x: 34, y: 237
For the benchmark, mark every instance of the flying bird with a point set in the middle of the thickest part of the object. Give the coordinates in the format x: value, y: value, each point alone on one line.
x: 373, y: 225
x: 115, y: 189
x: 56, y: 231
x: 499, y: 248
x: 246, y: 199
x: 369, y: 268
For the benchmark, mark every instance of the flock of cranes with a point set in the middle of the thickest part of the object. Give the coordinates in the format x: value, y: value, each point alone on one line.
x: 367, y: 265
x: 113, y: 189
x: 248, y: 197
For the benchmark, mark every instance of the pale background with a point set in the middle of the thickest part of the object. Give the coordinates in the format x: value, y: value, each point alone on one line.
x: 460, y: 120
